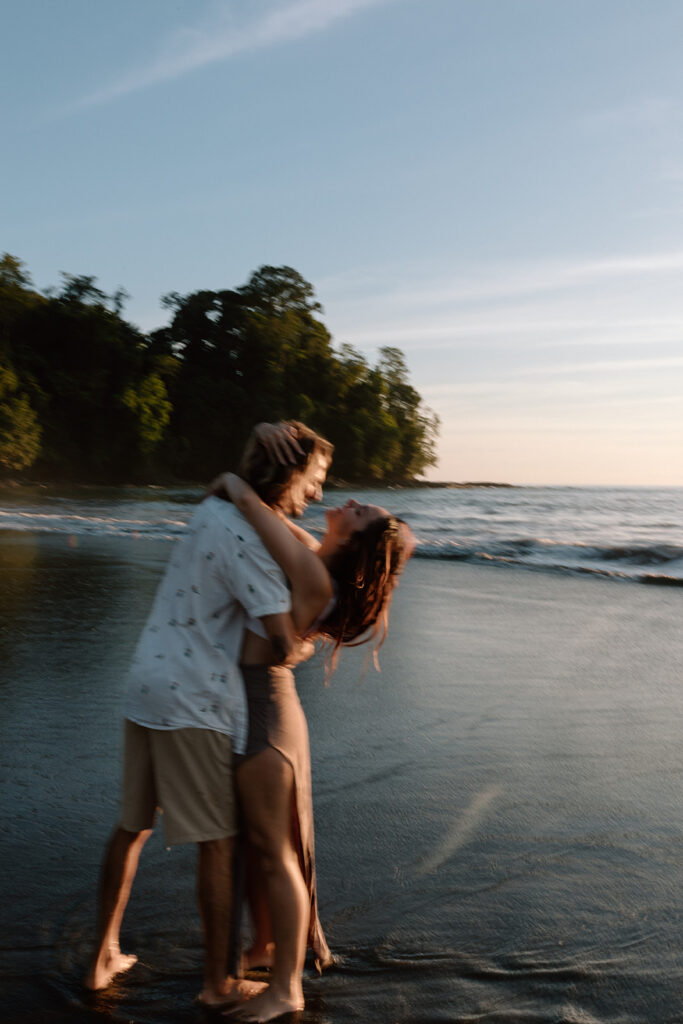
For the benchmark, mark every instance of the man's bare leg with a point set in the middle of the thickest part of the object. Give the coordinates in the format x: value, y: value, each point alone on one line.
x: 214, y: 892
x: 260, y: 953
x: 118, y: 871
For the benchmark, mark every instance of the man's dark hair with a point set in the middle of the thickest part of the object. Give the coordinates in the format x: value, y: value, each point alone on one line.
x: 271, y: 479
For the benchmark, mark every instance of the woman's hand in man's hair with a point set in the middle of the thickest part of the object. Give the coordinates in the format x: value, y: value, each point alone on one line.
x: 280, y: 441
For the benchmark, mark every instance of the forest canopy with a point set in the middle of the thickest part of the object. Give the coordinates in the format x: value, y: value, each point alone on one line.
x: 85, y: 396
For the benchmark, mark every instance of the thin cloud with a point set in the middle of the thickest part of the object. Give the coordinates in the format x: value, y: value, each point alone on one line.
x: 504, y: 393
x: 548, y: 331
x: 649, y: 112
x: 621, y: 372
x: 222, y: 38
x: 606, y: 366
x: 672, y: 174
x: 581, y: 302
x: 440, y: 339
x: 537, y: 278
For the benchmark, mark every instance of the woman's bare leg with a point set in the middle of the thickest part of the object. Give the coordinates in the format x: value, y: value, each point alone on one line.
x: 266, y: 787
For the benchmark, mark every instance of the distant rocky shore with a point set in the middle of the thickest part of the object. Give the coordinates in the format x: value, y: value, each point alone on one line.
x: 333, y: 483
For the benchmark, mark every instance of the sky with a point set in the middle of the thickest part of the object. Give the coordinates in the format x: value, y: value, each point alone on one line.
x: 493, y: 186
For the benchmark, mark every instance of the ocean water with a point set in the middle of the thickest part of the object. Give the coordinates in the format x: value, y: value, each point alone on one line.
x: 499, y: 813
x: 622, y: 533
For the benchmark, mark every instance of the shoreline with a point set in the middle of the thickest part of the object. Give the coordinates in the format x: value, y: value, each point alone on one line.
x: 19, y: 486
x: 14, y: 486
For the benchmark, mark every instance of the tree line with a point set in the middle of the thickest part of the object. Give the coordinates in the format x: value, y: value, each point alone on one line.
x: 85, y: 396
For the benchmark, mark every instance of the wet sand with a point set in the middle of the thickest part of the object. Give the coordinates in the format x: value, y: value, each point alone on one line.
x: 498, y: 813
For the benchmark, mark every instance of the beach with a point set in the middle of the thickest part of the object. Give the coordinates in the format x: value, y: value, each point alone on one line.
x: 498, y: 812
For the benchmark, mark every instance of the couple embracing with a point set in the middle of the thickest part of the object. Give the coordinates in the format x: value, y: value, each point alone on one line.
x: 212, y: 719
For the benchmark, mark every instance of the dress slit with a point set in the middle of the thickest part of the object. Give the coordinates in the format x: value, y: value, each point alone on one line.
x: 277, y: 720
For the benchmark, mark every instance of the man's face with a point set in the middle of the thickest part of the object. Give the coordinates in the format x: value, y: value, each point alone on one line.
x: 306, y: 487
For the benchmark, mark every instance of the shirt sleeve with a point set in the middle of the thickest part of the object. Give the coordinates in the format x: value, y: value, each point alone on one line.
x: 257, y: 581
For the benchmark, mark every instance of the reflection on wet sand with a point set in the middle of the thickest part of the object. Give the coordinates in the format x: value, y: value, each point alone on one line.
x: 498, y: 813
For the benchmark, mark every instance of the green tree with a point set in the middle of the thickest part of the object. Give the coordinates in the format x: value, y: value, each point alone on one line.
x: 417, y: 427
x: 274, y: 291
x: 76, y: 357
x: 19, y: 428
x: 259, y: 352
x: 288, y: 348
x: 183, y: 399
x: 209, y: 389
x: 16, y: 297
x: 151, y: 410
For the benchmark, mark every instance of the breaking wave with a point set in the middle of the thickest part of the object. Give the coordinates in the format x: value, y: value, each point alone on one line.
x: 626, y: 534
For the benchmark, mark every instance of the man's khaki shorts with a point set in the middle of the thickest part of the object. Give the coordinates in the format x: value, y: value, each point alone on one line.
x: 186, y: 773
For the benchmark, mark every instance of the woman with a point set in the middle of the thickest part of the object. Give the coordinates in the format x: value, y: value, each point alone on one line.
x: 341, y: 590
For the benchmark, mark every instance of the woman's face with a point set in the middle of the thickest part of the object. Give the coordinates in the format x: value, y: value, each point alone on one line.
x: 352, y: 517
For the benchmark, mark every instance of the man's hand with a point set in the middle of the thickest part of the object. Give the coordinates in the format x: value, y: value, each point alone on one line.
x: 280, y: 441
x: 303, y: 650
x: 285, y: 646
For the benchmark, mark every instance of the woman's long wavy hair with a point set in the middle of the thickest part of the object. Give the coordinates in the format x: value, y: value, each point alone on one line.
x: 365, y: 571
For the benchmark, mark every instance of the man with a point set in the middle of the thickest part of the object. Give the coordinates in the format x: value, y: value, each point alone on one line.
x: 185, y: 705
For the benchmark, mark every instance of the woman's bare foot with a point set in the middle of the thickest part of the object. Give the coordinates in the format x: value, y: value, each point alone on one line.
x: 232, y: 992
x: 108, y: 964
x: 264, y: 1007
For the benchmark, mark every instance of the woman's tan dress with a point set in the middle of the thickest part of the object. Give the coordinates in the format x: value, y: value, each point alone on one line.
x: 276, y: 719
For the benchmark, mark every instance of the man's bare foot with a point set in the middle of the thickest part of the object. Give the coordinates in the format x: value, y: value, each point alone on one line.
x: 106, y: 967
x: 232, y: 992
x: 264, y: 1007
